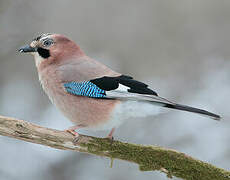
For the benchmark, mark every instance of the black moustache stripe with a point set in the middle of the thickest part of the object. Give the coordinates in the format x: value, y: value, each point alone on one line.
x: 45, y: 53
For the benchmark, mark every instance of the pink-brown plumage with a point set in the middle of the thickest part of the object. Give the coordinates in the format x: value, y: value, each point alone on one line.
x: 60, y: 61
x: 71, y: 64
x: 80, y: 110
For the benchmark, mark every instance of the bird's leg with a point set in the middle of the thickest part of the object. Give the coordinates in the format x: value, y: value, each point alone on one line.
x: 72, y: 131
x: 110, y: 135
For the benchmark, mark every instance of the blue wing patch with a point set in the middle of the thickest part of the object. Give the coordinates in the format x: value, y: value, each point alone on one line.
x: 85, y: 88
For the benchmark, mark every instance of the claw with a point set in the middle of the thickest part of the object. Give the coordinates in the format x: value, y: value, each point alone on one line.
x: 75, y: 134
x: 76, y: 139
x: 111, y: 139
x: 110, y: 136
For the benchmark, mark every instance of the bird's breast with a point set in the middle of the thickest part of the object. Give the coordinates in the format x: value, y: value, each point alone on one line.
x: 85, y: 111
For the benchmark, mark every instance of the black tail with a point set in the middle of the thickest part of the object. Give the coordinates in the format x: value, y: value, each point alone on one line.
x: 194, y: 110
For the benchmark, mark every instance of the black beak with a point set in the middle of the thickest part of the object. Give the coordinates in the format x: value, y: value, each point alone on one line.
x: 26, y: 49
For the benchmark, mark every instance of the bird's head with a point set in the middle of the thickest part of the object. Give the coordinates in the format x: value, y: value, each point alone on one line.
x: 52, y: 48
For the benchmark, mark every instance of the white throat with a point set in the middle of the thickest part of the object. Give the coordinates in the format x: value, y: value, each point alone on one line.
x: 38, y: 58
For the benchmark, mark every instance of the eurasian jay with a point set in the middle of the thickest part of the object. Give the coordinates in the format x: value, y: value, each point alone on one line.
x: 89, y: 93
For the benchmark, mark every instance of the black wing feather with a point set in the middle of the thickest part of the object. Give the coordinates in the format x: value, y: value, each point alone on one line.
x: 111, y: 83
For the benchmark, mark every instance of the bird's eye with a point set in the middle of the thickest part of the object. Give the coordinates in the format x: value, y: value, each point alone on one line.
x: 47, y: 43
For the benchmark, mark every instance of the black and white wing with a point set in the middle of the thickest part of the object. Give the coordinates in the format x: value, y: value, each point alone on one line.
x: 126, y: 88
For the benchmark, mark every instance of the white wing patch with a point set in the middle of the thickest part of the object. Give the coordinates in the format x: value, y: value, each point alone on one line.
x: 121, y: 87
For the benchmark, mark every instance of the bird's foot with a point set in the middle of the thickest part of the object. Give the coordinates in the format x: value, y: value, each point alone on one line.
x: 110, y: 138
x: 75, y: 134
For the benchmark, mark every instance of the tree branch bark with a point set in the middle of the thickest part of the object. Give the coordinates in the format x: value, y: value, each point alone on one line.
x: 149, y: 158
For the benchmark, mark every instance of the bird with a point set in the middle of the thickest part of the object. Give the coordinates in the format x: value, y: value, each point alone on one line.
x: 89, y: 93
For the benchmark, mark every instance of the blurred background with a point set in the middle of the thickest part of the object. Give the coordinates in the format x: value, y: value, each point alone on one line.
x: 180, y: 48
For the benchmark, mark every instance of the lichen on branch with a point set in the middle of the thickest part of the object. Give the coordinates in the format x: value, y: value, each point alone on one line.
x: 149, y: 158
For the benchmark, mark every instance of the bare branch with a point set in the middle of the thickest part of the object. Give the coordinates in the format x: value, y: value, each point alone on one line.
x: 149, y: 158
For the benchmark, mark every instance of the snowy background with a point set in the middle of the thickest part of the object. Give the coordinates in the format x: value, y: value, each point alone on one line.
x: 180, y: 48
